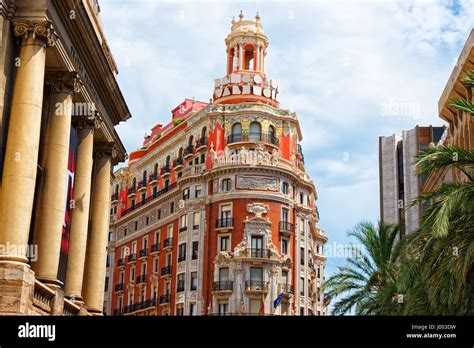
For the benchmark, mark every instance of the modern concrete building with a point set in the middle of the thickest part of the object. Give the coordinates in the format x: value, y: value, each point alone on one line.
x: 59, y: 103
x: 215, y: 214
x: 399, y: 181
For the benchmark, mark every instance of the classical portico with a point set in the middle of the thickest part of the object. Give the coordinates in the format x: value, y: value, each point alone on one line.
x: 54, y: 194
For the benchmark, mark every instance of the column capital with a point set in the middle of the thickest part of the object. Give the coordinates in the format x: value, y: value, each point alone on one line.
x: 63, y: 81
x: 87, y: 122
x: 105, y: 149
x: 41, y: 31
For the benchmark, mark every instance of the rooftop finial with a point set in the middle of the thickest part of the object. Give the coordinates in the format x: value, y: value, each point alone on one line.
x: 241, y: 15
x: 257, y: 17
x: 233, y: 20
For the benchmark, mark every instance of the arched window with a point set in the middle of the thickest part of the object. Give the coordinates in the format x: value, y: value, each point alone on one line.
x: 190, y: 142
x: 249, y: 61
x: 144, y: 178
x: 180, y: 152
x: 271, y: 134
x: 168, y: 160
x: 134, y: 183
x: 155, y: 168
x: 255, y: 131
x: 236, y: 133
x: 203, y: 132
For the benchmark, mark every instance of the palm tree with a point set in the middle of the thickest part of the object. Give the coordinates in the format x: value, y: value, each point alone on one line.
x: 368, y: 282
x: 438, y: 259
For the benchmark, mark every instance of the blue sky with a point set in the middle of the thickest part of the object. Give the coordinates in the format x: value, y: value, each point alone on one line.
x: 340, y: 66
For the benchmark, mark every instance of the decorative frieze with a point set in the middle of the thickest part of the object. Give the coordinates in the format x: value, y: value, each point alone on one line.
x: 253, y: 182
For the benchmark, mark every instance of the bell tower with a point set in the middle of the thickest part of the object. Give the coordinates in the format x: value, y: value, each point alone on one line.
x: 246, y: 80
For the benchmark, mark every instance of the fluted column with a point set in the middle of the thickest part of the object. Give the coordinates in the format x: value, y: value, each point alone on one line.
x: 94, y: 273
x: 21, y: 156
x: 52, y: 204
x: 80, y: 212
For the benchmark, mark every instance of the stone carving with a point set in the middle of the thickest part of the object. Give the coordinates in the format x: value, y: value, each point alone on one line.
x: 264, y: 183
x: 241, y: 248
x: 258, y: 156
x: 38, y: 30
x: 258, y: 209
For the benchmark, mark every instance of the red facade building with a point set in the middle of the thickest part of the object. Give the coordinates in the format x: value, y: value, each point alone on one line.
x: 215, y: 214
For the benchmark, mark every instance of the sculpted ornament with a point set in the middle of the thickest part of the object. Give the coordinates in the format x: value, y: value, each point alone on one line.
x: 258, y: 209
x: 240, y: 249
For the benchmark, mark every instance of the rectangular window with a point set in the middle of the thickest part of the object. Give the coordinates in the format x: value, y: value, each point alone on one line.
x: 223, y: 274
x: 143, y: 267
x: 192, y: 309
x: 180, y: 285
x: 143, y: 196
x: 301, y: 198
x: 302, y: 257
x: 302, y: 286
x: 157, y: 237
x: 284, y: 246
x: 284, y: 277
x: 226, y: 211
x: 223, y: 308
x: 256, y: 274
x: 155, y: 265
x: 106, y: 284
x: 145, y: 243
x: 203, y: 158
x: 132, y: 274
x: 193, y: 281
x: 198, y: 191
x: 125, y: 230
x: 182, y: 252
x: 134, y: 247
x: 132, y: 203
x: 158, y: 214
x: 183, y: 222
x: 226, y: 185
x: 186, y: 194
x: 179, y: 310
x: 284, y: 188
x: 147, y: 220
x: 195, y: 253
x: 136, y: 226
x: 224, y: 244
x: 285, y: 214
x: 169, y: 231
x: 171, y: 207
x: 155, y: 191
x: 196, y: 220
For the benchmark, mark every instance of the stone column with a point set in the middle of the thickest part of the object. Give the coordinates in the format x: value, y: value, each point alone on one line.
x: 52, y: 205
x: 80, y: 213
x: 94, y: 273
x: 21, y: 156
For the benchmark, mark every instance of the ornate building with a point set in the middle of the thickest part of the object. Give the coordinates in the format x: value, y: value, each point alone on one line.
x: 59, y: 104
x: 216, y: 214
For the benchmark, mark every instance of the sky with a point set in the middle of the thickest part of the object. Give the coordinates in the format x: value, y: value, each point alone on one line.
x: 351, y: 70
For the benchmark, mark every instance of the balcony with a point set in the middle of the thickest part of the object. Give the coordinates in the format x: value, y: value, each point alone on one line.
x: 132, y: 258
x: 141, y: 279
x: 178, y: 163
x: 165, y: 170
x: 188, y: 151
x: 287, y: 289
x: 119, y: 287
x: 155, y: 248
x: 114, y: 198
x: 165, y: 299
x: 183, y: 229
x: 154, y: 179
x: 142, y: 254
x: 132, y: 191
x: 186, y: 196
x: 149, y: 199
x: 256, y: 286
x: 168, y: 243
x: 121, y: 262
x: 181, y: 258
x: 166, y: 271
x: 258, y: 253
x: 201, y: 144
x: 223, y: 286
x: 142, y: 186
x: 253, y: 138
x: 286, y: 228
x: 225, y: 223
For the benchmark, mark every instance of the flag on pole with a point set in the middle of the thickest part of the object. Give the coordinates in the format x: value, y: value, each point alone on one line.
x: 262, y: 306
x: 277, y: 301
